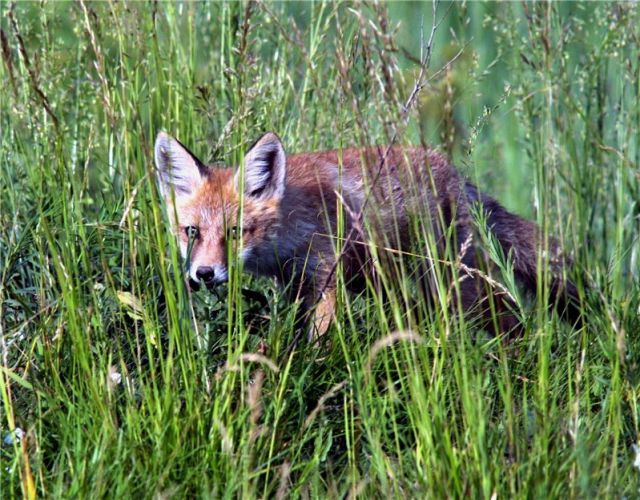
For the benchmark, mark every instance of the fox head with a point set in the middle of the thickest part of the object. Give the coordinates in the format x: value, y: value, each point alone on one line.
x: 203, y: 204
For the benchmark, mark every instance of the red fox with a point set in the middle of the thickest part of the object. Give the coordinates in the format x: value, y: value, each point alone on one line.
x: 292, y: 206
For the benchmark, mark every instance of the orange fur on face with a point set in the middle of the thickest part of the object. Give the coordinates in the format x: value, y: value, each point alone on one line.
x: 214, y: 209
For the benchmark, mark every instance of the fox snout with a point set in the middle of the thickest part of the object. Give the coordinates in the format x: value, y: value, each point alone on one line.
x: 206, y: 274
x: 210, y: 276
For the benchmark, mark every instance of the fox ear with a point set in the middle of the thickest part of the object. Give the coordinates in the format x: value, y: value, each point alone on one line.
x: 178, y: 169
x: 264, y: 168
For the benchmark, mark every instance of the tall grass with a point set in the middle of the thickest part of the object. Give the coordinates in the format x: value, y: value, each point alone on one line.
x: 118, y: 381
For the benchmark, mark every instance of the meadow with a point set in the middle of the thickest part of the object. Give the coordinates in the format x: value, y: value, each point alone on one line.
x: 117, y: 381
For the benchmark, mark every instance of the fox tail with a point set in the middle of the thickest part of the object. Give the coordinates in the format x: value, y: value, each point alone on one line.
x: 523, y: 240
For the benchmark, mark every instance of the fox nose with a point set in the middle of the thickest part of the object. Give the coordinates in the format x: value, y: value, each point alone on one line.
x: 205, y: 274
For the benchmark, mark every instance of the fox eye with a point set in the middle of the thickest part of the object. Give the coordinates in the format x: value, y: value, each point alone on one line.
x: 192, y: 232
x: 233, y: 233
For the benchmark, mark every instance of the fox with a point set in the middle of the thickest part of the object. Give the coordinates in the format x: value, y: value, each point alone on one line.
x: 296, y: 217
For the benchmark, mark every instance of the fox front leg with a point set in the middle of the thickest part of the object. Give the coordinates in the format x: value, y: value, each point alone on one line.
x: 323, y: 314
x: 314, y: 315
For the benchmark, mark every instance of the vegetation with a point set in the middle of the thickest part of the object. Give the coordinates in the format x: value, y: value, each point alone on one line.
x: 117, y: 381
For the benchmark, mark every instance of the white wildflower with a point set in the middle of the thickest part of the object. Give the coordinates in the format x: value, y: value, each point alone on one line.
x: 114, y: 378
x: 13, y: 437
x: 636, y: 460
